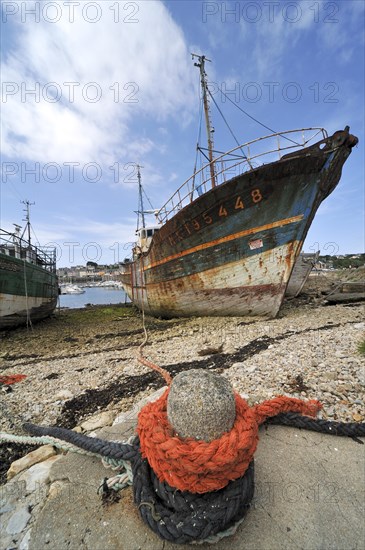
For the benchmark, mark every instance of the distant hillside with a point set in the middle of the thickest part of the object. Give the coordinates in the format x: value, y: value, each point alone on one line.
x: 343, y: 261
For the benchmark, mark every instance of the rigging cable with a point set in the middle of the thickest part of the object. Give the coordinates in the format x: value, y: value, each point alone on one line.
x: 144, y: 192
x: 29, y: 321
x: 230, y: 129
x: 197, y: 147
x: 253, y: 118
x: 36, y: 238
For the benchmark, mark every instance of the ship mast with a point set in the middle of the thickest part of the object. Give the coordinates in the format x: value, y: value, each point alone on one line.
x: 210, y: 130
x: 27, y: 218
x: 140, y: 194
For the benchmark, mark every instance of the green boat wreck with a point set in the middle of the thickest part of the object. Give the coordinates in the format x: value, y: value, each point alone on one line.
x: 28, y: 280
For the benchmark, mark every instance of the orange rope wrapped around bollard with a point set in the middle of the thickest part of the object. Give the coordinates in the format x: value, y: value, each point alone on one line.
x: 198, y: 466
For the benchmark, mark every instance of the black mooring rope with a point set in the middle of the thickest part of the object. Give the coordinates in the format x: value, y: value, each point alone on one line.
x: 347, y: 429
x: 124, y: 451
x: 102, y: 447
x: 180, y: 516
x: 183, y: 517
x: 177, y: 516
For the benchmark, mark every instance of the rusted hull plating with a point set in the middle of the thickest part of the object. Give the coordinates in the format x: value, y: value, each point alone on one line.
x: 232, y: 250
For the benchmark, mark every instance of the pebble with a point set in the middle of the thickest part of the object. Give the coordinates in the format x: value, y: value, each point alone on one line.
x: 250, y: 369
x: 328, y: 375
x: 63, y: 395
x: 98, y: 421
x: 31, y: 458
x: 18, y: 521
x: 38, y: 474
x: 24, y: 544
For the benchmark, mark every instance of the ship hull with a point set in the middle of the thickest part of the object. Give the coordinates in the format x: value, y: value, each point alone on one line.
x: 302, y: 268
x: 232, y: 250
x: 28, y: 292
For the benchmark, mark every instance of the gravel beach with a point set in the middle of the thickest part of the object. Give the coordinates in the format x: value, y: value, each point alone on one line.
x: 83, y: 362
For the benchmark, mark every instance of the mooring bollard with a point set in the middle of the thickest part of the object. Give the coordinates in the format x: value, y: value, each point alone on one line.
x: 201, y: 405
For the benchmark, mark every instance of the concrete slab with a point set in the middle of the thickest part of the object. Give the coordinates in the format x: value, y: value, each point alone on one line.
x: 309, y: 495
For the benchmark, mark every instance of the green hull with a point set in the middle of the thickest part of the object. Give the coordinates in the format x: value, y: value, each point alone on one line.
x: 28, y: 292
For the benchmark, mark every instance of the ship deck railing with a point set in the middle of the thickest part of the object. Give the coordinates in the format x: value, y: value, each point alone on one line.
x: 235, y: 162
x: 14, y: 246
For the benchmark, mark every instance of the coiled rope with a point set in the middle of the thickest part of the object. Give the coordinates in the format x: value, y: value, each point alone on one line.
x: 178, y: 515
x: 199, y: 466
x: 174, y: 515
x: 187, y: 490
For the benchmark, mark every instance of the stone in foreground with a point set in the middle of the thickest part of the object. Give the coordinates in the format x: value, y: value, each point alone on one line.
x: 34, y: 457
x: 201, y: 405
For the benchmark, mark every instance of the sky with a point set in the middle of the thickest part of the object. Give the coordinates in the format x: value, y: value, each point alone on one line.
x: 90, y: 89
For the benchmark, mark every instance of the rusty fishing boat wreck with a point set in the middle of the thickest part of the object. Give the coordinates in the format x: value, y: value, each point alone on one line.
x: 28, y: 280
x: 227, y: 240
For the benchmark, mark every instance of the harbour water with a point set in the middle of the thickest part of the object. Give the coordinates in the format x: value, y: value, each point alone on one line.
x: 94, y: 295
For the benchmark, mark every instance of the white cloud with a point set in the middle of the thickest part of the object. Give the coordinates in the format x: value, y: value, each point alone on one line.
x: 99, y: 241
x: 77, y: 241
x: 283, y: 27
x: 142, y: 72
x: 173, y: 176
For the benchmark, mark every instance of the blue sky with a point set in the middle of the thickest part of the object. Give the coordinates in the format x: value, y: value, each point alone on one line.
x: 91, y: 88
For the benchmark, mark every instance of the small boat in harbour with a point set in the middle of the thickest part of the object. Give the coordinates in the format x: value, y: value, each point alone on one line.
x: 28, y: 280
x: 110, y: 284
x: 227, y: 240
x: 71, y: 289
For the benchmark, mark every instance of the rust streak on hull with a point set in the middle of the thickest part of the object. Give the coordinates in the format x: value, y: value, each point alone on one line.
x: 224, y: 290
x: 253, y: 230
